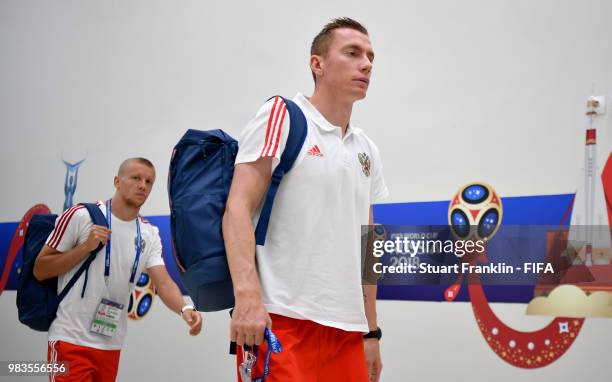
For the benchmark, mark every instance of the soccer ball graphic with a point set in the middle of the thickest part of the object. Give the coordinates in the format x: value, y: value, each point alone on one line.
x: 141, y: 298
x: 475, y: 212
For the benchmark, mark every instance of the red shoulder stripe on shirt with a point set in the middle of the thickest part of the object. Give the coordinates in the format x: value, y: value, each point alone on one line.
x: 60, y: 229
x: 270, y: 118
x: 62, y: 219
x: 271, y: 132
x: 280, y: 112
x: 277, y: 127
x: 278, y: 133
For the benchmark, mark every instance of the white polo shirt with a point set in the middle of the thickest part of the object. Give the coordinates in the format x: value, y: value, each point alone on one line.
x: 310, y: 266
x: 75, y: 314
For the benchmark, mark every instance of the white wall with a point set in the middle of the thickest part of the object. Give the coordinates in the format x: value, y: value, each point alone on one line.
x: 462, y: 90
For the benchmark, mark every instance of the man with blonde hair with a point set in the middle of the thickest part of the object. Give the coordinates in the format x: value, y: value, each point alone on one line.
x: 91, y: 321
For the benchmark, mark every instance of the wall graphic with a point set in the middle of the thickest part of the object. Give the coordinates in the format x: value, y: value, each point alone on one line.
x: 521, y: 349
x: 70, y: 182
x: 477, y: 206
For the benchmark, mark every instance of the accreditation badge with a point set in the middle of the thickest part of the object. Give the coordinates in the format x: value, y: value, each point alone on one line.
x: 107, y: 317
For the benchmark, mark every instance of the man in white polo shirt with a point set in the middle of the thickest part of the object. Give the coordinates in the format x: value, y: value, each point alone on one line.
x: 91, y: 321
x: 305, y: 283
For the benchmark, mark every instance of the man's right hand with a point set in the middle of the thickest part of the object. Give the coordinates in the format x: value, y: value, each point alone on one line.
x: 97, y: 235
x: 249, y: 320
x: 250, y: 317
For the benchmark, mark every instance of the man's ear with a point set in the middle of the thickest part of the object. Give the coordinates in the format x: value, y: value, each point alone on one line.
x: 316, y: 65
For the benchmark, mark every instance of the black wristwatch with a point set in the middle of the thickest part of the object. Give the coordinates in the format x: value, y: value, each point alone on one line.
x: 374, y: 334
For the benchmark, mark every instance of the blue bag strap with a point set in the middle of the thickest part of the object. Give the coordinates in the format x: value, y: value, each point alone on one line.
x: 97, y: 218
x: 295, y: 141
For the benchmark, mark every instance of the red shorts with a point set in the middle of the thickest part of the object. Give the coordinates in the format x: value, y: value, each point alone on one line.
x: 84, y: 363
x: 311, y: 353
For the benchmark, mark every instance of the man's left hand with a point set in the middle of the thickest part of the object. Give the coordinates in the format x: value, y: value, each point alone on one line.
x: 194, y: 320
x: 372, y: 357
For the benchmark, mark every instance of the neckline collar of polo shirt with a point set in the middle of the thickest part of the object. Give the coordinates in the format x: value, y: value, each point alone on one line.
x: 319, y: 119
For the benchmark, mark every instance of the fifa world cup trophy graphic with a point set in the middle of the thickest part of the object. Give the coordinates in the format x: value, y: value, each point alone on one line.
x: 70, y: 183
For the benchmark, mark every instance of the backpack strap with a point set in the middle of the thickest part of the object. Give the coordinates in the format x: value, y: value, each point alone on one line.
x: 297, y: 135
x: 97, y: 218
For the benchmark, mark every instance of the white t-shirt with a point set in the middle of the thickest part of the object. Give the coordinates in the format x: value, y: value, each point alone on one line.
x: 310, y: 266
x: 75, y: 314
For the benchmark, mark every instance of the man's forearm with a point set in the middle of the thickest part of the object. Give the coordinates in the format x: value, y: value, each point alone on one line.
x: 239, y: 240
x: 369, y: 302
x: 370, y: 288
x: 51, y: 263
x: 172, y: 297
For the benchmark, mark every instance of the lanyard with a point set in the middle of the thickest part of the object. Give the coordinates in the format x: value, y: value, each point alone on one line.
x: 250, y: 357
x: 108, y: 246
x: 274, y: 346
